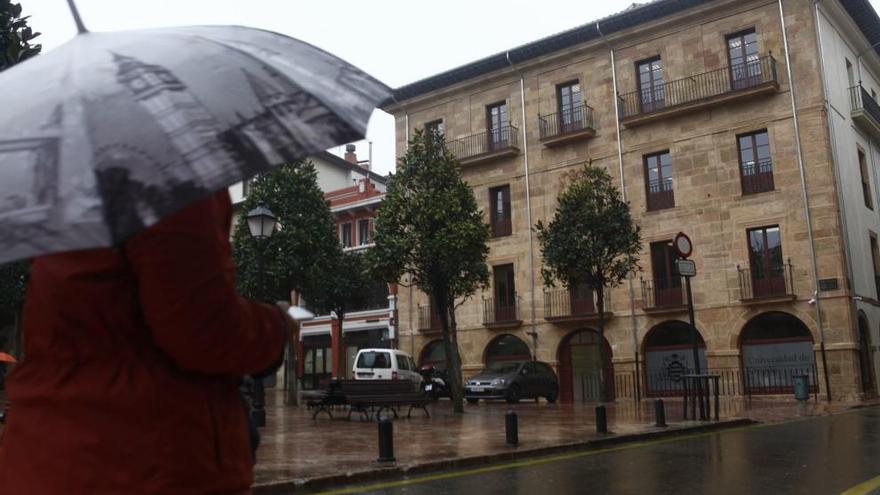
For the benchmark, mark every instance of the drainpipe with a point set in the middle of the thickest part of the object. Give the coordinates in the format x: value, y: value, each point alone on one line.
x: 522, y: 97
x: 632, y: 302
x: 409, y: 303
x: 800, y: 158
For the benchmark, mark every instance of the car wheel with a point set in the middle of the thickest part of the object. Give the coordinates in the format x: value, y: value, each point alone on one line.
x: 513, y: 394
x: 552, y: 396
x: 472, y: 401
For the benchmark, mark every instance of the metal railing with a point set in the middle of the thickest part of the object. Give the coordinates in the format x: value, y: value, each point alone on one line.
x: 562, y: 303
x: 671, y: 384
x: 496, y: 311
x: 877, y: 285
x: 484, y: 143
x: 660, y: 194
x: 757, y: 177
x: 698, y: 87
x: 778, y: 282
x: 862, y: 100
x: 428, y: 319
x: 663, y: 292
x: 569, y: 121
x: 734, y: 382
x: 501, y: 227
x: 776, y: 381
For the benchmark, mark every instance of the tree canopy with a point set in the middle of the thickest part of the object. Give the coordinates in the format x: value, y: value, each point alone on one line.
x: 15, y: 36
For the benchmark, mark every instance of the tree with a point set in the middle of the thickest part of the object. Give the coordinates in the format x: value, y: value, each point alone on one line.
x: 429, y: 227
x: 15, y: 47
x: 591, y: 239
x: 15, y: 36
x: 302, y: 246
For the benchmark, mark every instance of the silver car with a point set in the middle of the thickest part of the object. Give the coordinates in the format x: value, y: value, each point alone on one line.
x: 512, y: 381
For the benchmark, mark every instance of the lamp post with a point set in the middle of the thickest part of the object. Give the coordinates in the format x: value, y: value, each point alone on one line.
x: 261, y: 224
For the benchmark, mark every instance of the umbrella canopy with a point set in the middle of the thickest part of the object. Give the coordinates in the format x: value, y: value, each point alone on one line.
x: 110, y: 132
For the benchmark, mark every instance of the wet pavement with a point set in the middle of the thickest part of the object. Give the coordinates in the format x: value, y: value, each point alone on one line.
x: 295, y: 448
x: 821, y: 455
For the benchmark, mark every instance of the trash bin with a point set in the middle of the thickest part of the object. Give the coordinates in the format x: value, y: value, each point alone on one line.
x: 801, y: 387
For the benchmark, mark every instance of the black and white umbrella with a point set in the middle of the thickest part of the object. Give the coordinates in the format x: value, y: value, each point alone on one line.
x: 110, y: 132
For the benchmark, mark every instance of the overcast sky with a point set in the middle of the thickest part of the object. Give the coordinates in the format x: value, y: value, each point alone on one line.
x: 397, y: 41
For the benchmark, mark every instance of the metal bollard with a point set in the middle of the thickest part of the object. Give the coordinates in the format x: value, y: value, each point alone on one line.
x: 386, y: 441
x: 660, y: 412
x: 511, y: 426
x: 258, y: 414
x: 601, y: 420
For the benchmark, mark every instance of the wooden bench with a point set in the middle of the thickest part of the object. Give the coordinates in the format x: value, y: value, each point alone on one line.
x: 371, y: 397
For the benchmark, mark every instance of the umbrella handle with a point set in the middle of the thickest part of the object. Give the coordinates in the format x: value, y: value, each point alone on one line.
x: 76, y: 18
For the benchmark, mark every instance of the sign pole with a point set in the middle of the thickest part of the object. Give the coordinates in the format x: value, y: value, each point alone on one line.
x: 690, y: 304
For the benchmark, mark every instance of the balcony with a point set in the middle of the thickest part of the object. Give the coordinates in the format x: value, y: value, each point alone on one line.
x: 865, y: 110
x: 663, y: 295
x: 757, y: 177
x: 774, y: 286
x: 567, y: 126
x: 565, y: 305
x: 429, y: 320
x: 660, y: 195
x: 486, y: 146
x: 501, y: 314
x: 699, y: 91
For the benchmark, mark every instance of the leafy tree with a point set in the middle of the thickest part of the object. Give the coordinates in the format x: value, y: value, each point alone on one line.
x: 592, y: 238
x: 15, y: 47
x: 296, y: 255
x: 15, y: 36
x: 429, y: 227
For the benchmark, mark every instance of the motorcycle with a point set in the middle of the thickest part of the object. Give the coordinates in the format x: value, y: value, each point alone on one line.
x: 435, y: 383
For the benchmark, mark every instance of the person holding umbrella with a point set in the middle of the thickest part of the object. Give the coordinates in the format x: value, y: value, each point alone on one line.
x: 116, y: 150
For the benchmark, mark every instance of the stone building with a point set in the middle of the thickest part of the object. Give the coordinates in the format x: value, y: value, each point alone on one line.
x: 689, y: 104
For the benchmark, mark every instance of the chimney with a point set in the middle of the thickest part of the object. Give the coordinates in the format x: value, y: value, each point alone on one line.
x: 350, y: 155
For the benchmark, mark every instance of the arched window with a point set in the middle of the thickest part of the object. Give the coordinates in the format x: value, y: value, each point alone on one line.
x: 669, y: 354
x: 433, y: 354
x: 506, y: 348
x: 775, y: 347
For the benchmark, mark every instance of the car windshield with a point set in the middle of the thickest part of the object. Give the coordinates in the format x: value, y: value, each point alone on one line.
x: 502, y: 367
x: 373, y: 359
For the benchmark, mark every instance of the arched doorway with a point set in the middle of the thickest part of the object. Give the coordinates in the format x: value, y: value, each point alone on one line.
x: 865, y: 358
x: 433, y: 354
x: 585, y: 370
x: 504, y: 350
x: 775, y: 347
x: 669, y: 355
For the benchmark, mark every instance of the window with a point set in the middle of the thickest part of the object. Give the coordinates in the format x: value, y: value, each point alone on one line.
x: 505, y: 293
x: 568, y: 99
x: 345, y: 234
x: 866, y: 184
x: 658, y: 181
x: 365, y: 232
x: 497, y: 125
x: 850, y: 76
x: 666, y: 287
x: 402, y: 362
x: 436, y: 126
x: 875, y: 259
x: 745, y: 64
x: 499, y: 212
x: 755, y: 165
x: 765, y: 259
x: 652, y: 94
x: 374, y: 359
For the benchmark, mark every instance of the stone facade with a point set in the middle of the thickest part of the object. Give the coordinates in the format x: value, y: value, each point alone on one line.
x: 701, y: 138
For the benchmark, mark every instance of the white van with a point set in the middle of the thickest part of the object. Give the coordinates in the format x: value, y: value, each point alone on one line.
x: 385, y: 364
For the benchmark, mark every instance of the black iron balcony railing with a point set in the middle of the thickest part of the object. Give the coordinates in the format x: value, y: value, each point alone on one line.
x: 569, y: 121
x: 428, y: 319
x: 485, y: 143
x: 500, y: 311
x: 757, y: 177
x: 501, y: 227
x: 661, y: 293
x: 698, y: 87
x: 877, y: 285
x: 862, y: 100
x: 660, y: 194
x: 573, y: 304
x: 773, y: 282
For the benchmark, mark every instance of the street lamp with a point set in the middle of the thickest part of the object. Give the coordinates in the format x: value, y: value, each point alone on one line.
x: 261, y: 223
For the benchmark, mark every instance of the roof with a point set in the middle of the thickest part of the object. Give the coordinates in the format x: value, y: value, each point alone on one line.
x: 341, y: 162
x: 860, y: 10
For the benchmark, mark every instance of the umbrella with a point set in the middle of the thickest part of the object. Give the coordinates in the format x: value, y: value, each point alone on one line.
x: 7, y: 358
x: 107, y: 134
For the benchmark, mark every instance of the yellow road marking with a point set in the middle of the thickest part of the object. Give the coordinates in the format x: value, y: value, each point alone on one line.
x: 864, y: 487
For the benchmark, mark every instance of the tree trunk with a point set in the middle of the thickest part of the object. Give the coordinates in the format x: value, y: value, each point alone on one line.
x: 338, y: 358
x: 446, y: 312
x: 600, y: 304
x: 292, y: 395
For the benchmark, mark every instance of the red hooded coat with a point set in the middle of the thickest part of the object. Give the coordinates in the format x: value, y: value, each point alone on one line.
x: 132, y: 365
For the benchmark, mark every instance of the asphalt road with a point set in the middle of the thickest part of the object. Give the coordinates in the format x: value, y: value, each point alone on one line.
x: 824, y: 455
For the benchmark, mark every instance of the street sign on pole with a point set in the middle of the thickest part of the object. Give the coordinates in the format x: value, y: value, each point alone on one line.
x: 683, y: 245
x: 686, y: 268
